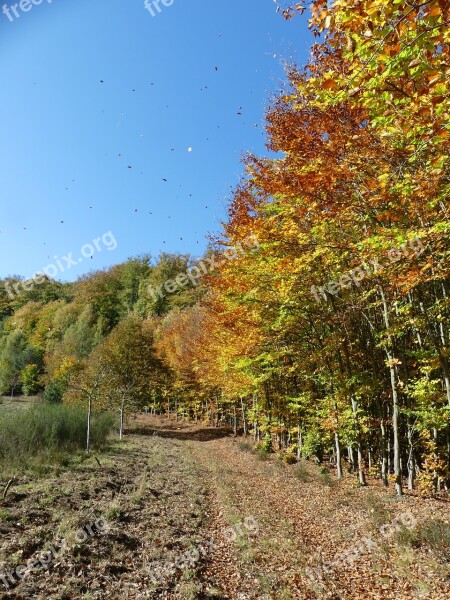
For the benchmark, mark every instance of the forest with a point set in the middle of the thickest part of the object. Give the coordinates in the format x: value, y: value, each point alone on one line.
x: 318, y: 321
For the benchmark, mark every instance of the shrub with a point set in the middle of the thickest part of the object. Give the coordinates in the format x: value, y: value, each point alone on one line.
x: 312, y: 444
x: 49, y: 432
x: 433, y: 534
x: 54, y: 392
x: 290, y: 455
x: 267, y: 443
x: 261, y: 454
x: 325, y: 477
x: 301, y: 473
x: 245, y: 446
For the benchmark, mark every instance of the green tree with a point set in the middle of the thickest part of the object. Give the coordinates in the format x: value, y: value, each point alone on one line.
x: 132, y: 371
x: 15, y: 355
x: 30, y: 379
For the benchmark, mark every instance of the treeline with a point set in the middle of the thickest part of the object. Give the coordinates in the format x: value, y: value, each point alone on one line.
x: 328, y: 336
x: 55, y: 330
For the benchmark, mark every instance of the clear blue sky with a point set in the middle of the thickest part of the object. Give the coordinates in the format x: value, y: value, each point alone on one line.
x: 62, y: 131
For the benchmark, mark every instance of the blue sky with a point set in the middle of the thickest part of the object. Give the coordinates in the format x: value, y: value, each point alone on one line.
x: 170, y: 82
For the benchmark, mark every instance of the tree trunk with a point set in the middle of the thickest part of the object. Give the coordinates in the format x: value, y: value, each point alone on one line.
x: 122, y: 407
x: 384, y: 456
x: 351, y: 459
x: 339, y: 472
x: 299, y: 442
x: 411, y: 461
x: 337, y: 444
x: 361, y: 474
x: 244, y: 418
x: 395, y: 403
x: 88, y: 433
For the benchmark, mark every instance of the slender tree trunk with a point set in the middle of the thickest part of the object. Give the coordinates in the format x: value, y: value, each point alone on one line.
x: 337, y: 444
x: 389, y: 453
x: 395, y: 429
x: 440, y: 344
x: 339, y: 472
x: 411, y: 461
x: 88, y: 433
x: 445, y: 346
x: 384, y: 456
x: 244, y: 418
x: 255, y: 421
x: 361, y: 474
x: 351, y: 458
x: 395, y: 403
x: 122, y: 408
x: 299, y: 441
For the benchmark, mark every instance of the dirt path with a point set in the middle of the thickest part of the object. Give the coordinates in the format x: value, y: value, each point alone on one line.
x: 188, y: 512
x: 322, y: 539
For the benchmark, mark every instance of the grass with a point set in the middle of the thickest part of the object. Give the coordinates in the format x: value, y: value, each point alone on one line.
x: 114, y: 512
x: 189, y: 591
x: 433, y: 534
x: 302, y: 473
x: 18, y: 403
x: 256, y: 449
x: 141, y: 489
x: 245, y: 446
x: 378, y: 513
x: 261, y: 454
x: 47, y: 434
x: 325, y: 477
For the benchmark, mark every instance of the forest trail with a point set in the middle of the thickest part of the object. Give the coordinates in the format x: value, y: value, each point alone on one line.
x: 192, y: 512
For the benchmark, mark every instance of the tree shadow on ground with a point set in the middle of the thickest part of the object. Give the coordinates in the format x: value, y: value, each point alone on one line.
x: 200, y: 435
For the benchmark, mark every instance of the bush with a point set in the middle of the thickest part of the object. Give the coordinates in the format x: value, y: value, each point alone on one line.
x: 54, y: 392
x: 261, y: 454
x: 301, y: 473
x: 265, y: 444
x: 433, y: 534
x: 50, y: 431
x: 312, y: 444
x: 245, y: 446
x: 325, y: 477
x: 290, y: 455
